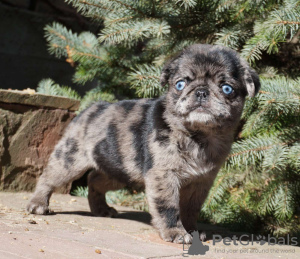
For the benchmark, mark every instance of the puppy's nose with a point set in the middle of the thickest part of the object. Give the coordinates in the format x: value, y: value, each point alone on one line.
x: 202, y: 93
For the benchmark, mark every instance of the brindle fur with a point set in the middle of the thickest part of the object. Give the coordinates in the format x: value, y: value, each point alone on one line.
x: 173, y: 146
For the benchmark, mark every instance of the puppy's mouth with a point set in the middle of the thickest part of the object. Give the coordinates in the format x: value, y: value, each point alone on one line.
x: 199, y: 108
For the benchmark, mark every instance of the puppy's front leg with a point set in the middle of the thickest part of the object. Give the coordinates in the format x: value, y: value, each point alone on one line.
x: 192, y: 197
x: 190, y: 203
x: 163, y: 197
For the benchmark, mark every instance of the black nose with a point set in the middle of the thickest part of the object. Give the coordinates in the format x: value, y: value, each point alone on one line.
x: 202, y: 93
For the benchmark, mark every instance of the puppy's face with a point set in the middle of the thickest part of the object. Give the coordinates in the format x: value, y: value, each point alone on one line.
x: 207, y: 86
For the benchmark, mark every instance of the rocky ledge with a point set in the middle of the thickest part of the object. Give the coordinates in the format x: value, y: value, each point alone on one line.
x: 30, y: 126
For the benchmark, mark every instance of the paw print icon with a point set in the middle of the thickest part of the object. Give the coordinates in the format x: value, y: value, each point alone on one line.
x: 261, y: 240
x: 197, y: 247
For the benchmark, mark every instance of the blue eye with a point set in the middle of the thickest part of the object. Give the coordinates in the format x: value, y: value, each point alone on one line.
x: 180, y: 85
x: 227, y: 89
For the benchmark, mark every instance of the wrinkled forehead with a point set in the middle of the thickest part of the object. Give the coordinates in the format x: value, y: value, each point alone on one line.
x: 209, y: 62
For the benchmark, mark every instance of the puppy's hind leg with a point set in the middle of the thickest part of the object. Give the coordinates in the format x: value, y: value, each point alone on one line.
x: 99, y: 184
x: 66, y: 164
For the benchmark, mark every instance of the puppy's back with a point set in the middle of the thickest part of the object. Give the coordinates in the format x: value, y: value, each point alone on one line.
x: 114, y: 138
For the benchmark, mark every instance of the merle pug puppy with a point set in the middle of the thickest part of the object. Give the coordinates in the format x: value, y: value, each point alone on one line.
x: 173, y: 145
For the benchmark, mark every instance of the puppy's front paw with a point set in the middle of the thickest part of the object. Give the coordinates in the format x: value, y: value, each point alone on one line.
x: 202, y: 236
x: 105, y: 212
x: 40, y: 208
x: 176, y: 235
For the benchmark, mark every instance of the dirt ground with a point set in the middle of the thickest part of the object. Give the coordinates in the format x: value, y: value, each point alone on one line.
x: 71, y: 232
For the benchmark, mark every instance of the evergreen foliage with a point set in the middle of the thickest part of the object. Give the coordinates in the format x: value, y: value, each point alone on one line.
x: 138, y: 36
x: 49, y: 87
x: 258, y: 188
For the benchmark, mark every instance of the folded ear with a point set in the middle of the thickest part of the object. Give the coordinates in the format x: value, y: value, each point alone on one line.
x: 165, y: 74
x: 251, y: 79
x: 169, y: 69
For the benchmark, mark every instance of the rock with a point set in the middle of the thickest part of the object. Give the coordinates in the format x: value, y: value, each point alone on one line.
x: 41, y: 100
x: 30, y: 126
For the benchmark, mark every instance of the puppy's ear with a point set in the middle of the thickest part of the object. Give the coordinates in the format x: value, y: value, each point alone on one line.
x: 251, y: 79
x: 165, y: 74
x: 169, y: 69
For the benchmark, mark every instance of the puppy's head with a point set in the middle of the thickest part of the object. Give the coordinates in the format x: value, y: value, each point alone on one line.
x: 207, y: 87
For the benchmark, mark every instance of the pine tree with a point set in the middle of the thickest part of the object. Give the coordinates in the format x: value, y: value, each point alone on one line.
x: 258, y: 188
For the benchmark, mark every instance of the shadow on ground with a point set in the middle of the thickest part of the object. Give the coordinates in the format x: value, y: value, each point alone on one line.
x: 143, y: 217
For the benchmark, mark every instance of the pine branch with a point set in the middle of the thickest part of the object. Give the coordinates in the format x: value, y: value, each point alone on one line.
x: 131, y: 32
x: 250, y: 150
x: 276, y: 158
x: 218, y: 190
x: 187, y: 4
x: 254, y: 47
x: 58, y: 38
x: 281, y: 23
x: 283, y: 202
x: 49, y: 87
x: 128, y: 6
x: 145, y: 79
x: 294, y: 156
x: 287, y: 21
x: 111, y: 20
x: 230, y: 37
x: 277, y: 101
x: 266, y: 205
x: 268, y: 73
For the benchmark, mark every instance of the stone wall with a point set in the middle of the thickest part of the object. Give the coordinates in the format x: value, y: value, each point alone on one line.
x: 30, y: 126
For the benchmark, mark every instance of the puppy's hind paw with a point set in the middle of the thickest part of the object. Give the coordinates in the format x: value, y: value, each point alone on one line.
x: 37, y: 208
x: 176, y: 236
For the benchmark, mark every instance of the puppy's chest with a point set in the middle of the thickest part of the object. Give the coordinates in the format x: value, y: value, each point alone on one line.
x: 201, y: 156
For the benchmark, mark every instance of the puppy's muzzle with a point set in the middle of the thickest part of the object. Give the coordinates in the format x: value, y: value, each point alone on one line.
x: 202, y: 94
